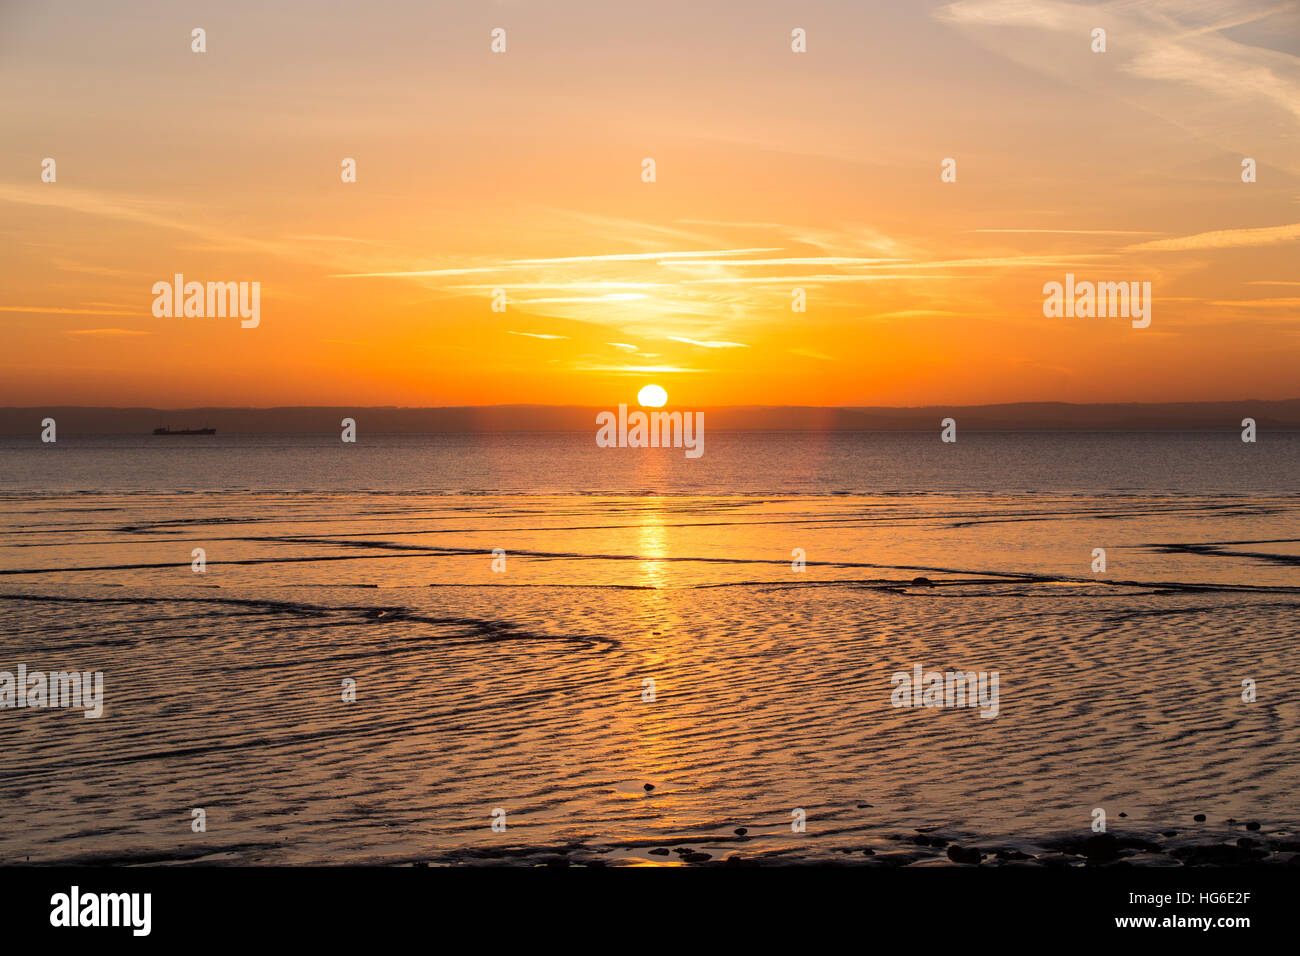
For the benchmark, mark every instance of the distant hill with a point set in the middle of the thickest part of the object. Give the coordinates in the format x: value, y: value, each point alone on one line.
x: 1024, y: 416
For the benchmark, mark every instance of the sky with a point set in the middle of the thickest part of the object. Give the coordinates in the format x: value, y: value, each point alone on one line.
x: 522, y: 171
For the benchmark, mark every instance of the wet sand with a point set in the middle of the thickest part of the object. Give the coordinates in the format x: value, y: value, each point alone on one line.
x: 522, y: 690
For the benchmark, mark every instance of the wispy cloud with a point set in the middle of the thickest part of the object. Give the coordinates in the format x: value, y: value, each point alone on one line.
x: 1225, y: 239
x: 818, y: 278
x: 611, y: 297
x: 417, y: 273
x: 791, y: 261
x: 1077, y: 232
x: 90, y: 202
x: 593, y: 286
x: 725, y: 224
x: 58, y: 311
x: 635, y: 256
x: 813, y: 354
x: 87, y: 268
x: 911, y: 314
x: 352, y: 239
x: 1209, y: 82
x: 708, y: 345
x: 513, y: 264
x: 1285, y: 303
x: 153, y: 213
x: 639, y: 369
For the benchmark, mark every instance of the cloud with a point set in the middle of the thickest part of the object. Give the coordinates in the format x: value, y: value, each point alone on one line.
x: 1078, y: 232
x: 709, y: 345
x: 634, y: 256
x: 514, y: 264
x: 911, y: 314
x: 793, y: 261
x: 731, y: 225
x: 638, y: 369
x: 1224, y: 239
x: 98, y: 204
x: 1260, y: 303
x: 417, y: 273
x: 817, y: 279
x: 536, y: 335
x: 312, y: 238
x: 558, y: 286
x: 609, y: 297
x: 158, y: 215
x: 1203, y: 78
x: 1021, y: 13
x: 58, y: 311
x: 69, y: 265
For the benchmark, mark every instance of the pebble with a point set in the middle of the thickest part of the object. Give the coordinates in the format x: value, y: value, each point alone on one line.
x: 648, y: 787
x: 1199, y: 818
x: 961, y: 854
x: 741, y: 831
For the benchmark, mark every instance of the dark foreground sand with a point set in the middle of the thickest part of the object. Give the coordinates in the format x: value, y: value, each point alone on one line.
x: 524, y: 691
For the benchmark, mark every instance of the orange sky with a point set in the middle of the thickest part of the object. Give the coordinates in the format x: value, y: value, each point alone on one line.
x: 522, y: 171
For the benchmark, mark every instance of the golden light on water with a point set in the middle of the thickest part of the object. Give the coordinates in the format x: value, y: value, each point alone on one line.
x: 652, y: 396
x: 653, y: 546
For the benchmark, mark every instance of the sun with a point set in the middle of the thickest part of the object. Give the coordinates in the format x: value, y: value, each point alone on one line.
x: 652, y: 396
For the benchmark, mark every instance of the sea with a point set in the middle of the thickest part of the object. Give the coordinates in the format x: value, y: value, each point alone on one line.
x: 523, y: 649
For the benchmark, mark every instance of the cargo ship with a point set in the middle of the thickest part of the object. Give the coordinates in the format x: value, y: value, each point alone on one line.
x: 184, y: 431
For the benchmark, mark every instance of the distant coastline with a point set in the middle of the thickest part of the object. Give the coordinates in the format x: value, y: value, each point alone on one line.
x: 1022, y: 416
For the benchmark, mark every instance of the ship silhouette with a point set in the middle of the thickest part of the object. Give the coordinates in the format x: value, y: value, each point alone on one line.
x: 164, y: 430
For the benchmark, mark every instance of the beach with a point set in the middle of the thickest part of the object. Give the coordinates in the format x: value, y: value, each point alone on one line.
x: 499, y: 644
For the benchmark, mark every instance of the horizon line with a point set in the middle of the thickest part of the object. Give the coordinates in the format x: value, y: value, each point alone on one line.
x: 574, y: 405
